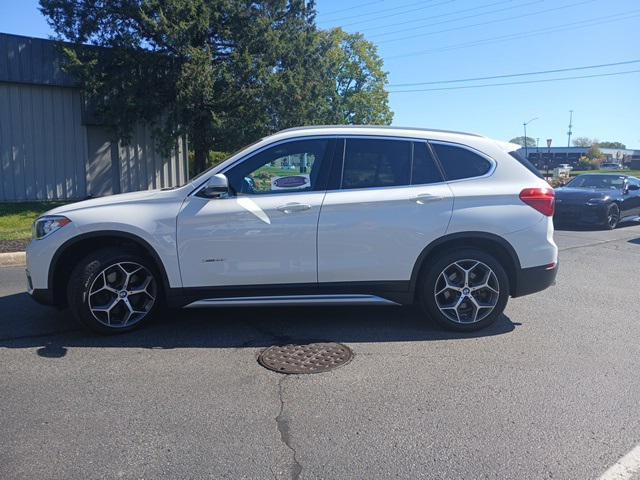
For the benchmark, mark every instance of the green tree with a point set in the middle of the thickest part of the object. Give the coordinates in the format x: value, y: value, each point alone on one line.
x: 584, y: 141
x: 619, y: 145
x: 531, y: 142
x: 359, y: 79
x: 594, y: 153
x: 224, y: 72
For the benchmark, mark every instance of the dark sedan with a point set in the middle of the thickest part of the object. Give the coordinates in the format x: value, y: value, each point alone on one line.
x: 598, y: 199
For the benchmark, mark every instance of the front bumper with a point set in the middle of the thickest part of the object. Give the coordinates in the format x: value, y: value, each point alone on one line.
x: 580, y: 214
x: 535, y: 279
x: 43, y: 296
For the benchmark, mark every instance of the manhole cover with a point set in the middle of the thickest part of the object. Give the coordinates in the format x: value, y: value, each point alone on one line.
x: 309, y: 358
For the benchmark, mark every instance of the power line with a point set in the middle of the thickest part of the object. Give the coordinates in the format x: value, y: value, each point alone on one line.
x: 431, y: 17
x: 359, y: 5
x: 387, y: 15
x: 422, y: 3
x: 518, y: 83
x: 511, y: 75
x: 519, y: 35
x: 488, y: 22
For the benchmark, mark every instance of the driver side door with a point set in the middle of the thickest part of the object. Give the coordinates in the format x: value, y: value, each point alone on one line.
x: 264, y: 232
x: 632, y: 198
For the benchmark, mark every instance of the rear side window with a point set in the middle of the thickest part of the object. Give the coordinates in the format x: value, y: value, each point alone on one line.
x: 525, y: 163
x: 459, y: 163
x: 376, y: 163
x: 424, y: 169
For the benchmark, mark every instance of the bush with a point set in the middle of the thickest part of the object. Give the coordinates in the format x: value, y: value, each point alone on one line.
x: 584, y: 164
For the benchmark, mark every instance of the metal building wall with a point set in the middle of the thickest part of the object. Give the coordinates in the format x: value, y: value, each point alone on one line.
x: 43, y: 147
x: 142, y: 167
x: 48, y: 153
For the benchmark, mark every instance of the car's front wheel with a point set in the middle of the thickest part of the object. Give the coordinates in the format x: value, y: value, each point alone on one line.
x: 613, y: 216
x: 113, y: 291
x: 464, y: 290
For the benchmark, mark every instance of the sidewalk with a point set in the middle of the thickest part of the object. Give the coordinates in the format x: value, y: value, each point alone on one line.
x: 13, y: 259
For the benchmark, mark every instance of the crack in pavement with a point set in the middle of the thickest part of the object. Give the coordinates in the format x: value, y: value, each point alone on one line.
x: 283, y: 427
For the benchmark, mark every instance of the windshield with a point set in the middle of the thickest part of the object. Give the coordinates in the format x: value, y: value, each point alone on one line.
x: 607, y: 182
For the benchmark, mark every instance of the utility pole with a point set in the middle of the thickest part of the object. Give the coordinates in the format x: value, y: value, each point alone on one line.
x: 549, y: 140
x: 570, y: 127
x: 526, y: 147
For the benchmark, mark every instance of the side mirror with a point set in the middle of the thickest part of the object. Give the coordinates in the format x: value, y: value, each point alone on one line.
x: 216, y: 187
x: 632, y: 187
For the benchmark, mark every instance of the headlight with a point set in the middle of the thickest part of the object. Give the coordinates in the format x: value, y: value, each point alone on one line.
x: 43, y: 226
x: 597, y: 201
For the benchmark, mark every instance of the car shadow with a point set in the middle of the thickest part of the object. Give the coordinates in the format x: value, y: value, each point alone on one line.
x: 52, y: 331
x: 593, y: 228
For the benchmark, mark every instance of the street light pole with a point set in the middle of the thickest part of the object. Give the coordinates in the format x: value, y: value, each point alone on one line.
x: 526, y: 147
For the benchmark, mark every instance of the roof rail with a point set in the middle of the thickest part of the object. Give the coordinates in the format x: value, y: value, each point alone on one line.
x: 384, y: 127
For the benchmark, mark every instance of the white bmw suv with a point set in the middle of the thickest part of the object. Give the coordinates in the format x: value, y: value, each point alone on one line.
x: 320, y: 215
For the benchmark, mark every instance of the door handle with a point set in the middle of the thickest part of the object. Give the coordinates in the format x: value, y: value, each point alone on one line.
x: 427, y: 198
x: 294, y: 207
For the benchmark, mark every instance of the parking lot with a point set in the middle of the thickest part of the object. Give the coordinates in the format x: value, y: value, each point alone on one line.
x: 550, y: 391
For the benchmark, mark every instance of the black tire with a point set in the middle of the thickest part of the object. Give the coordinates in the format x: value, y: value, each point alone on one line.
x: 116, y: 261
x: 427, y: 289
x: 613, y: 217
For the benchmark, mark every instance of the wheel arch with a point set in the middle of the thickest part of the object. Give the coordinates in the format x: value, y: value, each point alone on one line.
x: 491, y: 243
x: 76, y: 248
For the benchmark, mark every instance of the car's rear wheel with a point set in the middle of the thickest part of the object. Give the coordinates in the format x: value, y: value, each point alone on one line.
x: 613, y: 216
x: 113, y: 291
x: 464, y: 290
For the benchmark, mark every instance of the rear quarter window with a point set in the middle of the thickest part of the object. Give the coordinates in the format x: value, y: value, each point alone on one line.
x: 525, y: 163
x: 459, y: 163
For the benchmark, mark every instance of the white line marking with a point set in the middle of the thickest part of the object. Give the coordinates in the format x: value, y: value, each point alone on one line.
x: 624, y: 468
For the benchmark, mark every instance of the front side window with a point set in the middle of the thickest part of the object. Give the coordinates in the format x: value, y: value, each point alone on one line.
x: 289, y: 167
x: 459, y: 163
x: 376, y: 163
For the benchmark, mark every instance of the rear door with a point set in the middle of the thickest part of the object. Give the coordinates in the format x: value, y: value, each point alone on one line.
x: 386, y: 202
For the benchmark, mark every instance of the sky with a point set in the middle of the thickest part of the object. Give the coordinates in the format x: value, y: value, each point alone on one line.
x: 444, y: 40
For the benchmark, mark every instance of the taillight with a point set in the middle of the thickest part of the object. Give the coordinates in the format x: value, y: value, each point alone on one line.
x: 542, y: 199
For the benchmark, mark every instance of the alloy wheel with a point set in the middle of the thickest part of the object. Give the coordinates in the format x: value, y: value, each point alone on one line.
x: 467, y: 291
x: 122, y: 294
x: 613, y: 216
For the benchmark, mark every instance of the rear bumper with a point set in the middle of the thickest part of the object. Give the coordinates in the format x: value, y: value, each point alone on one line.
x: 536, y: 279
x: 580, y: 214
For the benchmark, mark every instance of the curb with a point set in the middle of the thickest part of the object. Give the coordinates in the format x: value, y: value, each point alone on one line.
x: 13, y: 259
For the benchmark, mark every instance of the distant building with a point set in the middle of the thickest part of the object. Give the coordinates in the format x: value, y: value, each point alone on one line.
x: 51, y: 148
x: 558, y: 155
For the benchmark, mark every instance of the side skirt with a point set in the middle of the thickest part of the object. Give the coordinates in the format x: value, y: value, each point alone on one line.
x: 377, y: 293
x: 291, y: 300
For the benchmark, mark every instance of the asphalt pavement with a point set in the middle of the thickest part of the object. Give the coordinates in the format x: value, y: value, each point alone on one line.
x: 552, y: 390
